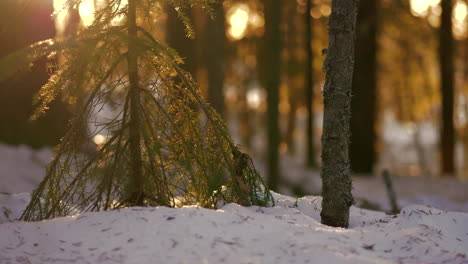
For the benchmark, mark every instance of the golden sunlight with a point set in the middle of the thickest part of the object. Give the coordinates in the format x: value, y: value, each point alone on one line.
x: 99, y: 139
x: 420, y: 7
x: 86, y: 11
x: 238, y: 18
x: 431, y: 10
x: 460, y: 12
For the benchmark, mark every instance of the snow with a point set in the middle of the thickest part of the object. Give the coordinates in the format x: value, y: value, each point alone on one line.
x: 21, y: 168
x: 289, y: 232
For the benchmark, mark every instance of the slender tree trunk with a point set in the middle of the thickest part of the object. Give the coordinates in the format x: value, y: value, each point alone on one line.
x: 272, y: 82
x: 135, y: 147
x: 245, y: 116
x: 293, y: 71
x: 309, y: 87
x: 446, y: 47
x: 336, y: 178
x: 465, y: 92
x: 363, y: 105
x: 215, y: 59
x: 291, y: 125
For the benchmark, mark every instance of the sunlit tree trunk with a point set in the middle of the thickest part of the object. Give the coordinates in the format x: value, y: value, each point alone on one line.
x: 215, y: 37
x: 446, y: 46
x: 136, y: 166
x: 309, y: 87
x: 338, y: 65
x: 272, y: 82
x: 362, y: 148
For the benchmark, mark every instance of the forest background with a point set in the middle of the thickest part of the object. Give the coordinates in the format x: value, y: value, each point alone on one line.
x: 410, y: 93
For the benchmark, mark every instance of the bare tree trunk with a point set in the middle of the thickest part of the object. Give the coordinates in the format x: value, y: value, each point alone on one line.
x: 446, y: 47
x: 215, y: 59
x: 465, y: 92
x: 363, y: 105
x: 291, y: 124
x: 272, y: 82
x: 136, y: 166
x: 245, y: 116
x: 292, y: 71
x: 339, y: 64
x: 309, y: 88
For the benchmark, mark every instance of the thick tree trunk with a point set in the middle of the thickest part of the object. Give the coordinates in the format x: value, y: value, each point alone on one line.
x: 363, y: 104
x: 309, y: 87
x: 136, y: 166
x: 446, y: 47
x: 215, y: 59
x: 336, y: 178
x: 272, y: 82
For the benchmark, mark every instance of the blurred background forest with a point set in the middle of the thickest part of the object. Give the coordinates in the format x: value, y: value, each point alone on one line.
x: 410, y: 88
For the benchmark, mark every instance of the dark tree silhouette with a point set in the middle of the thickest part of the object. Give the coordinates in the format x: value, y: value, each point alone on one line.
x: 309, y: 87
x: 22, y: 24
x: 177, y: 38
x: 272, y: 82
x: 446, y: 47
x: 363, y: 104
x: 214, y: 50
x: 338, y: 65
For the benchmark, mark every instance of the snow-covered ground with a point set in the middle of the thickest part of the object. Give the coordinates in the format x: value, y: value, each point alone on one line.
x: 290, y: 232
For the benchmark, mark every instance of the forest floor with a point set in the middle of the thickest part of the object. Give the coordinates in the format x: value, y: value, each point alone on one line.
x: 289, y: 232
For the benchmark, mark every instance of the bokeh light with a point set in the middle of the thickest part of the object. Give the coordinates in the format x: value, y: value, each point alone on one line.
x: 238, y: 18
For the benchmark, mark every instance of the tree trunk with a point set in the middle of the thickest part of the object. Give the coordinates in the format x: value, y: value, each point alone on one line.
x: 336, y: 178
x: 292, y: 45
x: 362, y: 148
x: 309, y: 88
x: 177, y: 39
x: 214, y: 48
x: 446, y: 47
x: 136, y: 166
x: 272, y: 82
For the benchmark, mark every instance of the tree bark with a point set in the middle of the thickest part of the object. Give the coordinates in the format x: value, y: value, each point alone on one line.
x: 363, y: 104
x: 309, y: 87
x: 272, y: 82
x: 136, y: 166
x: 446, y: 47
x: 335, y: 173
x: 215, y: 38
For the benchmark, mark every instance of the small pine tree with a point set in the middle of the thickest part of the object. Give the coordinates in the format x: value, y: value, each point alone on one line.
x: 164, y: 144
